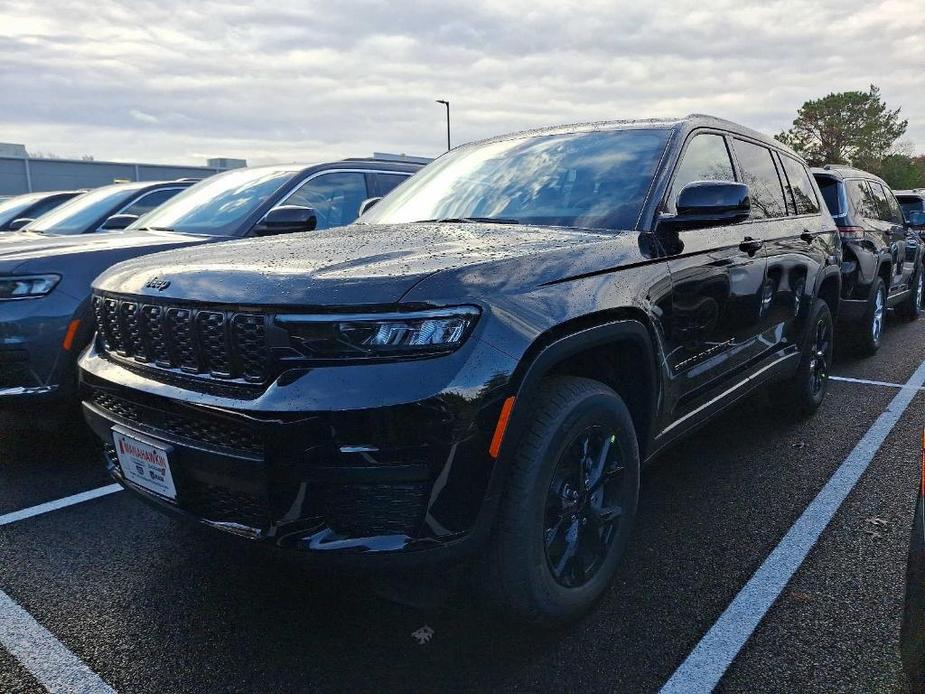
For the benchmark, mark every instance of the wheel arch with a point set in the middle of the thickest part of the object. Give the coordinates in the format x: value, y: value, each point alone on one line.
x: 591, y: 347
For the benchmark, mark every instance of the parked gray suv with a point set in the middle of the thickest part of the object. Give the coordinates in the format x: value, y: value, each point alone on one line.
x: 45, y: 313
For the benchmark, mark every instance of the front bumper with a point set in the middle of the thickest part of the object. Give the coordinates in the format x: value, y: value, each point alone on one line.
x: 409, y: 482
x: 33, y: 362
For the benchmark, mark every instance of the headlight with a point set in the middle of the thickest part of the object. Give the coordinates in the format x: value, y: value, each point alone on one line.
x: 379, y: 335
x: 27, y: 287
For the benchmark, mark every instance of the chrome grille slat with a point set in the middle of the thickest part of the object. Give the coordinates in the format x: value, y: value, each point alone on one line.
x: 207, y: 342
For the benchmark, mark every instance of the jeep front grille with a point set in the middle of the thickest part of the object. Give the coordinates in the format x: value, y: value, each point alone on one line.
x: 212, y: 343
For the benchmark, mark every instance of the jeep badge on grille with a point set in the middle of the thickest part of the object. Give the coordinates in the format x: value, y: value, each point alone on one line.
x: 157, y: 283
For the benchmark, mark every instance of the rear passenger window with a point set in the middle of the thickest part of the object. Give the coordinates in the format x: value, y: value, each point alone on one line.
x: 705, y: 159
x: 880, y: 205
x: 862, y: 200
x: 389, y: 181
x: 829, y: 188
x: 148, y: 202
x: 760, y: 174
x: 896, y: 214
x: 801, y: 187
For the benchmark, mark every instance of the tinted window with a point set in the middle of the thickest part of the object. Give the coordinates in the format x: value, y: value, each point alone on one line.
x: 10, y: 209
x: 83, y: 213
x: 861, y: 197
x: 48, y: 204
x: 705, y: 159
x: 800, y: 186
x: 585, y: 180
x: 760, y: 173
x: 335, y: 197
x: 880, y: 204
x: 218, y: 205
x: 896, y: 214
x: 911, y: 204
x: 149, y: 201
x: 829, y: 188
x: 389, y: 181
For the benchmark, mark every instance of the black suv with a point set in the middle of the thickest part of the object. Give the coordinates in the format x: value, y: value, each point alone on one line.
x: 882, y: 257
x: 483, y: 361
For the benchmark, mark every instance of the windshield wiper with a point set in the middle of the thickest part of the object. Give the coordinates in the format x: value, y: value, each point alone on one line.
x: 156, y: 229
x: 471, y: 220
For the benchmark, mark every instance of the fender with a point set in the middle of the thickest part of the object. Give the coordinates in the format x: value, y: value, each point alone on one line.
x: 822, y: 276
x: 626, y: 330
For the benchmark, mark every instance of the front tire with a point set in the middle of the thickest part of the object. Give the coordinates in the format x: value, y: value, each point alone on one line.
x: 569, y: 504
x: 800, y: 396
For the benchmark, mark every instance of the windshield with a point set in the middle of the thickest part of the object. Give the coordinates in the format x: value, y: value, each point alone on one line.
x: 85, y: 212
x: 592, y: 180
x: 217, y: 205
x: 10, y: 209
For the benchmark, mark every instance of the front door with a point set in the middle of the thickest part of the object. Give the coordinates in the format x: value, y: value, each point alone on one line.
x: 717, y: 276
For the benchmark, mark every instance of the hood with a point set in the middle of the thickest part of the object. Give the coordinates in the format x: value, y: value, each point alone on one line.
x: 45, y: 253
x: 355, y: 265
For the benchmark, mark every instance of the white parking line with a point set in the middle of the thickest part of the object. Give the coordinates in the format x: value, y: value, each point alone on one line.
x: 46, y: 658
x: 60, y: 503
x: 703, y: 668
x: 864, y: 381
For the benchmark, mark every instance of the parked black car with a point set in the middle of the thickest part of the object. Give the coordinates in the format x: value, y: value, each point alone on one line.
x: 19, y: 210
x: 45, y: 312
x: 882, y: 257
x: 483, y: 361
x: 912, y: 637
x: 913, y: 205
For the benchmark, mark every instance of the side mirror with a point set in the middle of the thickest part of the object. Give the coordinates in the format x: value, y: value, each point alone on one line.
x: 915, y: 219
x: 118, y: 221
x: 709, y: 203
x: 713, y: 202
x: 367, y: 204
x: 18, y: 224
x: 287, y: 219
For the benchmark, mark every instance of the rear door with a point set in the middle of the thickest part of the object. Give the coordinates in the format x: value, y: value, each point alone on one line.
x: 802, y: 245
x: 717, y: 276
x: 890, y: 225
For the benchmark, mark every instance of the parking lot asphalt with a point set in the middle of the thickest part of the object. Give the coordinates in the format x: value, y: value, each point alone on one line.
x: 152, y: 604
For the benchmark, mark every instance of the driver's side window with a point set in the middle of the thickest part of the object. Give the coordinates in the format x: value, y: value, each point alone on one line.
x: 335, y: 197
x: 705, y: 159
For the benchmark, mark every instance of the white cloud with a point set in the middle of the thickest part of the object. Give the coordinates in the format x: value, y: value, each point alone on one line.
x: 274, y: 81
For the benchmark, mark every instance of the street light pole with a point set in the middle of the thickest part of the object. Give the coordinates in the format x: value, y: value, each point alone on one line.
x: 447, y: 104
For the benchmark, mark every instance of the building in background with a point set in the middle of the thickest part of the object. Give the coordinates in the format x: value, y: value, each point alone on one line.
x: 20, y: 173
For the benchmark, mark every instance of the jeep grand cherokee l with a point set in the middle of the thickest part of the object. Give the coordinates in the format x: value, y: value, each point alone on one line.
x: 481, y: 363
x: 45, y: 312
x: 882, y: 257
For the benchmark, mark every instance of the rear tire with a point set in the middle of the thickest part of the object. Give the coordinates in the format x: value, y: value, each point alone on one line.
x: 800, y: 396
x: 569, y: 504
x: 911, y: 307
x: 869, y: 332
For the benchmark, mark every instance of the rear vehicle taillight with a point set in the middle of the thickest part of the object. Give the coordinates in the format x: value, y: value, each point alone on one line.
x: 856, y: 233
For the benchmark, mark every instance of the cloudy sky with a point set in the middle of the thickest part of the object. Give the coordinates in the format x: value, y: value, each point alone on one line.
x: 173, y: 81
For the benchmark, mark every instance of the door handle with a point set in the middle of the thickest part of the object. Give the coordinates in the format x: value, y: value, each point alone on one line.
x: 750, y: 245
x: 807, y: 236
